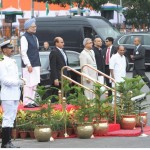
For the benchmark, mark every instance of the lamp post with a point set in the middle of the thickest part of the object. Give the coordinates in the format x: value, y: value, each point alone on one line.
x: 32, y: 8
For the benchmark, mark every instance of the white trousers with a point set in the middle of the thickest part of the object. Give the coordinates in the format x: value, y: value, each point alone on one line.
x: 9, y: 112
x: 28, y: 94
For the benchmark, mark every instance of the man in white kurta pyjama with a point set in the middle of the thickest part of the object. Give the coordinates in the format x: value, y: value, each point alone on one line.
x: 30, y: 63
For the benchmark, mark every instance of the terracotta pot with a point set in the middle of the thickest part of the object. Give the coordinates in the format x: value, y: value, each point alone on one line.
x: 85, y: 131
x: 61, y: 133
x: 15, y: 133
x: 54, y: 134
x: 70, y: 131
x: 23, y: 134
x: 42, y: 133
x: 101, y: 128
x: 31, y: 133
x: 143, y: 116
x: 128, y: 122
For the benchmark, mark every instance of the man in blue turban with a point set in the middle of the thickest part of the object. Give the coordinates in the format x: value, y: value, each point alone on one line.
x: 30, y: 62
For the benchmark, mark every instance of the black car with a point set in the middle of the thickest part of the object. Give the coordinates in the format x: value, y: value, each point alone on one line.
x: 127, y: 41
x: 73, y: 59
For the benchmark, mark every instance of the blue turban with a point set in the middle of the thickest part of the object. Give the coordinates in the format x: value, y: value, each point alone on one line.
x: 28, y: 23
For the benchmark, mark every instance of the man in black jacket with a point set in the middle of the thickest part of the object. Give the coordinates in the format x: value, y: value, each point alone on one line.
x: 58, y: 59
x: 107, y: 53
x: 139, y: 61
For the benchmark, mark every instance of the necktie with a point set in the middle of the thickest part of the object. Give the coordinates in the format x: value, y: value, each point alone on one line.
x: 107, y: 56
x: 64, y: 55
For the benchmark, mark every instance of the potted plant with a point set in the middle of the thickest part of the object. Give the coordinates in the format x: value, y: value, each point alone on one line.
x: 128, y: 109
x: 22, y: 123
x: 102, y: 110
x: 84, y: 114
x: 42, y: 118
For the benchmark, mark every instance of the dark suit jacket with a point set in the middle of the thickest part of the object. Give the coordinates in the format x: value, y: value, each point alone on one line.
x: 113, y: 51
x: 57, y: 61
x: 99, y: 59
x: 139, y: 58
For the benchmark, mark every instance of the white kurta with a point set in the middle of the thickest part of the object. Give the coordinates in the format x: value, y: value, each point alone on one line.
x: 88, y: 57
x: 118, y: 64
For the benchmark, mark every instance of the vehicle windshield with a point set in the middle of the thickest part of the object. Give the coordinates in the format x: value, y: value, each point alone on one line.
x: 104, y: 29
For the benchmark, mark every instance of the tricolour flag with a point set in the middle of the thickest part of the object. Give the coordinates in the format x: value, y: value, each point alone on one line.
x: 47, y: 8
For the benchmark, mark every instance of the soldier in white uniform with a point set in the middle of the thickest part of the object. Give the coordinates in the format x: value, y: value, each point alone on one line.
x: 10, y: 92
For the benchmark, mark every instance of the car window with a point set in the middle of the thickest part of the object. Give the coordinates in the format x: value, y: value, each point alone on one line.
x: 130, y: 39
x: 73, y: 59
x: 122, y: 40
x: 44, y: 62
x: 146, y: 40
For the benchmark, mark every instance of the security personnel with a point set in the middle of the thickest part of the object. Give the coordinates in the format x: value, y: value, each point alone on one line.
x: 10, y: 92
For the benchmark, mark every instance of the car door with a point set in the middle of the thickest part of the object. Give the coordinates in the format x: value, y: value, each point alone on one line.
x: 146, y: 44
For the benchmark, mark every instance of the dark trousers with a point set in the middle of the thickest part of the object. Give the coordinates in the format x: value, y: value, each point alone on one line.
x: 107, y: 71
x: 141, y: 72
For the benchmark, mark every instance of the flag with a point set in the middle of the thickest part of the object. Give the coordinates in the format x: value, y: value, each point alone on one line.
x: 47, y: 8
x: 1, y: 4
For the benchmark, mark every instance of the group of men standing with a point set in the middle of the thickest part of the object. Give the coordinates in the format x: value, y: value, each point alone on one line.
x: 108, y: 60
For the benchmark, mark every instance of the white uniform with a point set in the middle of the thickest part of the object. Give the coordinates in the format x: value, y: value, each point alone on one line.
x: 10, y: 90
x: 33, y: 78
x: 88, y: 57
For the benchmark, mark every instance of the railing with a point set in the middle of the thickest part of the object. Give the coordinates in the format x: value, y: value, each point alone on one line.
x: 112, y: 89
x: 91, y: 79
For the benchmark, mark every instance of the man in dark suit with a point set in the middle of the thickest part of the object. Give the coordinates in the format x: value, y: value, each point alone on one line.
x: 107, y: 53
x: 139, y: 61
x: 58, y: 59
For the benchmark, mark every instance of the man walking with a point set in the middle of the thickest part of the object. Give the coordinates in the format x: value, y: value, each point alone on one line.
x: 10, y: 92
x: 139, y: 61
x: 30, y: 62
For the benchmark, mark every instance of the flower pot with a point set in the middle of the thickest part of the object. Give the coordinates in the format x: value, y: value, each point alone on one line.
x: 23, y: 134
x: 143, y: 116
x: 15, y: 133
x: 70, y: 131
x: 128, y: 122
x: 101, y: 128
x: 42, y: 133
x: 31, y: 133
x: 61, y: 133
x: 54, y: 134
x: 85, y: 131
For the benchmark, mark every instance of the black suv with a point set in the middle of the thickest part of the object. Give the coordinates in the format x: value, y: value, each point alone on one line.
x: 127, y: 41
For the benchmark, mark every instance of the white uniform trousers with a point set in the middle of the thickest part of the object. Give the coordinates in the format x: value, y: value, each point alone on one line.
x: 28, y: 94
x: 10, y: 108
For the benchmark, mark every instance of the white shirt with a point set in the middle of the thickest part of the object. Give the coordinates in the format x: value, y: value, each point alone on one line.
x: 64, y: 55
x: 118, y: 64
x: 9, y: 77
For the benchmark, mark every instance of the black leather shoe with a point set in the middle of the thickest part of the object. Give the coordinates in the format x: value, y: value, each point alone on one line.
x: 29, y: 106
x: 35, y: 105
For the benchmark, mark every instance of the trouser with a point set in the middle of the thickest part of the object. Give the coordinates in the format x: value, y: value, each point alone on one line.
x: 141, y: 72
x: 9, y: 112
x: 9, y: 115
x: 29, y: 94
x: 107, y: 71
